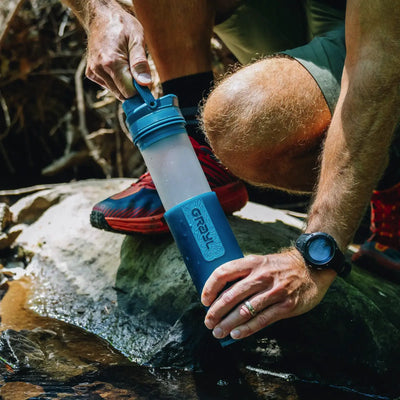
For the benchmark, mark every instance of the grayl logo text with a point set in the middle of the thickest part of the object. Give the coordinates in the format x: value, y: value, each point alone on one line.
x: 202, y: 227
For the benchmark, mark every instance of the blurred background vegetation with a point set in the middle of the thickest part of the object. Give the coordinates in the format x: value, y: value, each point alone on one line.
x: 55, y: 124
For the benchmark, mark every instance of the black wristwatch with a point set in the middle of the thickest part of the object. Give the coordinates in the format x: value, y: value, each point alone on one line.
x: 321, y: 252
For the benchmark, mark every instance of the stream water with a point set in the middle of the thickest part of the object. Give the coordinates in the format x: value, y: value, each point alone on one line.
x: 43, y: 358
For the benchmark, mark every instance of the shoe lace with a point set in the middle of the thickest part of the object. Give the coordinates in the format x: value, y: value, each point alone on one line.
x: 145, y: 181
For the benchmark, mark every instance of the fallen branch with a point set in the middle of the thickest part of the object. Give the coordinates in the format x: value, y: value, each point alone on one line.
x: 65, y: 162
x: 80, y: 100
x: 101, y: 132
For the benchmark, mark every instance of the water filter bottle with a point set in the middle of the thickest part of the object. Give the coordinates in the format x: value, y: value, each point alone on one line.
x: 193, y: 212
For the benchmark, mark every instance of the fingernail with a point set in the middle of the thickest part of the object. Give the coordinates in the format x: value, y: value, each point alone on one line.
x: 235, y: 334
x: 218, y: 333
x: 144, y: 77
x: 208, y: 324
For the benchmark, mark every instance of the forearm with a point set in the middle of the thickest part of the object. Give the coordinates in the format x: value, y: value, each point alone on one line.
x: 356, y: 148
x: 350, y: 170
x: 85, y: 10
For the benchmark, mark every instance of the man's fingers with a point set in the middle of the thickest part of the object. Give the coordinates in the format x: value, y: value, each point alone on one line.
x: 225, y: 302
x: 228, y: 272
x: 118, y: 79
x: 122, y: 79
x: 247, y: 309
x: 139, y: 66
x: 141, y: 73
x: 102, y: 78
x: 114, y: 71
x: 234, y: 295
x: 268, y: 316
x: 95, y: 78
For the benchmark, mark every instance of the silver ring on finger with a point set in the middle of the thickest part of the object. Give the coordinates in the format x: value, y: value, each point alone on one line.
x: 251, y: 309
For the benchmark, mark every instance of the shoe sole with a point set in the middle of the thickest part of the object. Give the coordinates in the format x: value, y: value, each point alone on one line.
x: 232, y: 197
x: 146, y: 225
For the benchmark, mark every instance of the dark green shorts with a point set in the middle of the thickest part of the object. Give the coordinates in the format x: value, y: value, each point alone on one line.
x: 310, y: 31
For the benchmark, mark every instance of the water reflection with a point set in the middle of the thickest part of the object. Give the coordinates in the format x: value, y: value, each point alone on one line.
x: 43, y: 358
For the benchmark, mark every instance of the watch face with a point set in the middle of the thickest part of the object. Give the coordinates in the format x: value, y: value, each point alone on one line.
x: 320, y: 249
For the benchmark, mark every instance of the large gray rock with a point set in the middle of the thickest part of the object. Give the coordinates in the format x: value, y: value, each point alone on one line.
x: 135, y: 292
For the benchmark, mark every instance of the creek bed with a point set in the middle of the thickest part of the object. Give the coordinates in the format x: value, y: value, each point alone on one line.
x: 44, y: 358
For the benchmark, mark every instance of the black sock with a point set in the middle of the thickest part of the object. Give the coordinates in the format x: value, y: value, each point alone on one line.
x: 191, y: 90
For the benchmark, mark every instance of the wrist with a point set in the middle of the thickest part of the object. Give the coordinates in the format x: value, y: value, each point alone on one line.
x: 319, y: 221
x: 323, y: 277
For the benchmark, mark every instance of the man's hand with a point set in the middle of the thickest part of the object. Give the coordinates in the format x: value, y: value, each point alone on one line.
x: 116, y: 50
x: 278, y: 286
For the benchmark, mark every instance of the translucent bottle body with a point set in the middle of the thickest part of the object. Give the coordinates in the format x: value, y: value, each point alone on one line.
x: 175, y: 170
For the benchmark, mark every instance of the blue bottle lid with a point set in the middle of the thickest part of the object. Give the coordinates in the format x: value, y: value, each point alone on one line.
x: 150, y: 120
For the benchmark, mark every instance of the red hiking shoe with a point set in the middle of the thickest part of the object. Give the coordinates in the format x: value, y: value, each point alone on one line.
x: 138, y: 208
x: 381, y: 252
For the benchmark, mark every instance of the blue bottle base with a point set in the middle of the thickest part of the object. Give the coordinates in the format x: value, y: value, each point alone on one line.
x: 204, y: 238
x: 227, y: 341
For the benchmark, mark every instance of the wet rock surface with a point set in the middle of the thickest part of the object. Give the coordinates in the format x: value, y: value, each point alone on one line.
x: 135, y: 293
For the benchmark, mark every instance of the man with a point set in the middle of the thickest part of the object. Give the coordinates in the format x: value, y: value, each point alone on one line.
x: 318, y: 117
